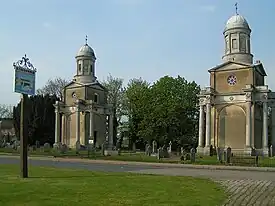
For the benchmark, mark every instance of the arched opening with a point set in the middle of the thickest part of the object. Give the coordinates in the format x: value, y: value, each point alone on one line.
x: 232, y: 127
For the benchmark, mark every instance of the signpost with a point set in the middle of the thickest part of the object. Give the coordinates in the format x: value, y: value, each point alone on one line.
x: 24, y: 83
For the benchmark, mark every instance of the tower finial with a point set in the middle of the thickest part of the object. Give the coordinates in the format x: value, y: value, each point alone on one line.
x: 86, y: 39
x: 236, y: 7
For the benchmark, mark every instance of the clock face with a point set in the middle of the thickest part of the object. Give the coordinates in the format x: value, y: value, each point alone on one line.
x: 232, y: 80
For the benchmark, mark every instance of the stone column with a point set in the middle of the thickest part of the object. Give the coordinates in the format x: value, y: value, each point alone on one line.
x: 91, y: 126
x: 208, y: 126
x: 201, y: 126
x: 265, y: 128
x: 0, y: 129
x: 248, y: 128
x: 111, y: 130
x: 57, y: 124
x: 77, y: 126
x: 273, y: 130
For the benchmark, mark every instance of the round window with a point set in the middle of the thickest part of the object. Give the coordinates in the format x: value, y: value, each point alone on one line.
x: 232, y: 80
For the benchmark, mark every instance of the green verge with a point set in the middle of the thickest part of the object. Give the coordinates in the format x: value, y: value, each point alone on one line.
x: 53, y: 186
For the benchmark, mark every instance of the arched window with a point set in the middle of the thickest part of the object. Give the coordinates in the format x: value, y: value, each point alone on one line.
x: 96, y: 98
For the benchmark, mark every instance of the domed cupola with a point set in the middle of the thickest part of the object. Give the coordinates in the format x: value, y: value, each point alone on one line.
x: 237, y: 40
x: 85, y: 64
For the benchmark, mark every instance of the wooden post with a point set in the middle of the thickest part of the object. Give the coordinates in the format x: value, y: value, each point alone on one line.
x: 23, y: 139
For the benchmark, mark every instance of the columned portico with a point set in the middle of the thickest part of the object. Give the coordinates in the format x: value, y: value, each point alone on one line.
x: 265, y: 128
x: 201, y: 127
x: 91, y: 127
x: 248, y: 135
x: 77, y: 126
x: 273, y: 130
x: 57, y: 125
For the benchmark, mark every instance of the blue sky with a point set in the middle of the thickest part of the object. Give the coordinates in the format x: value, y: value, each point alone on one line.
x: 131, y: 38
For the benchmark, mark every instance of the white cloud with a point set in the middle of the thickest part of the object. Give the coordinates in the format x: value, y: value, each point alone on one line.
x: 208, y: 8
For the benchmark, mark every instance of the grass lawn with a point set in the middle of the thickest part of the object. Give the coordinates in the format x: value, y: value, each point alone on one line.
x: 52, y: 186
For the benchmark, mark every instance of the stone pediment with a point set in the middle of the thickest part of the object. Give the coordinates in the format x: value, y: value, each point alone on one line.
x: 232, y: 65
x: 96, y: 85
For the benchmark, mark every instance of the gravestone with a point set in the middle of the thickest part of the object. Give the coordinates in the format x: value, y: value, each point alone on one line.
x: 47, y: 147
x: 192, y: 155
x: 103, y: 148
x: 134, y: 147
x: 37, y: 144
x: 170, y: 147
x: 211, y: 150
x: 219, y: 154
x: 224, y: 155
x: 77, y: 146
x: 228, y: 155
x: 16, y: 143
x: 149, y: 150
x: 63, y: 148
x: 159, y: 153
x: 253, y: 152
x: 182, y: 151
x: 146, y: 149
x: 154, y: 149
x: 164, y: 152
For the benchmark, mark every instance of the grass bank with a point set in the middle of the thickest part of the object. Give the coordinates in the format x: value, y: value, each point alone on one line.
x: 52, y: 186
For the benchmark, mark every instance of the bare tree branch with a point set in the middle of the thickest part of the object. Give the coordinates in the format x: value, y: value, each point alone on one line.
x: 53, y: 87
x: 5, y: 111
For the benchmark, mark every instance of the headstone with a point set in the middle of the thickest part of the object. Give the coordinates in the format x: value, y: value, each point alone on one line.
x: 271, y: 151
x: 182, y: 151
x: 224, y: 156
x: 253, y: 152
x: 16, y: 143
x: 103, y: 148
x: 149, y: 150
x: 146, y: 149
x: 211, y: 150
x: 164, y: 152
x: 192, y: 155
x: 37, y: 144
x: 219, y: 154
x: 154, y: 149
x: 77, y: 146
x: 228, y: 155
x: 159, y: 153
x: 47, y: 147
x: 134, y: 147
x: 63, y: 148
x: 170, y: 147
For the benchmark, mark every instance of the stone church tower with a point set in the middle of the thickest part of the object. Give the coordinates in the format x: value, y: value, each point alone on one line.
x: 234, y: 109
x: 86, y: 118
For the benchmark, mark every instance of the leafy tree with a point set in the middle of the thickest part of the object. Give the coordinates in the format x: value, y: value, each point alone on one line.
x: 40, y: 118
x: 171, y: 112
x: 137, y: 94
x: 53, y: 87
x: 115, y: 96
x: 5, y: 111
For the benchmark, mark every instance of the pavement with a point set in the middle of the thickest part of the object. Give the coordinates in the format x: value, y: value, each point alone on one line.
x: 245, y: 186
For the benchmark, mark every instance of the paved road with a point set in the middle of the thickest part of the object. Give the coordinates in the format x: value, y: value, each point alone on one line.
x: 244, y: 187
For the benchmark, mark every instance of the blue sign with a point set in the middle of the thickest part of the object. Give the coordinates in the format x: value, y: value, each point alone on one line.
x: 24, y: 77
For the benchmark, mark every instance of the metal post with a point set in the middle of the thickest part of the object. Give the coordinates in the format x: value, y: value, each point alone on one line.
x: 23, y: 139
